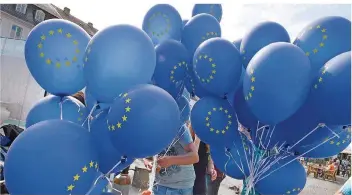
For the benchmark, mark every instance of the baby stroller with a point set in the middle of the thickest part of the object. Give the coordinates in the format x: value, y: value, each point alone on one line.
x: 8, y: 134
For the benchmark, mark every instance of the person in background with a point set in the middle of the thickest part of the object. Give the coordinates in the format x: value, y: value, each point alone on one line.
x: 176, y: 175
x: 214, y: 185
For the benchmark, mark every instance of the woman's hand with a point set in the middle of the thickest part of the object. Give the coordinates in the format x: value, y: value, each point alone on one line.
x: 165, y: 162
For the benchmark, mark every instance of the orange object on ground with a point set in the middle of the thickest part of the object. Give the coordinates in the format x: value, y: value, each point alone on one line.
x: 147, y: 192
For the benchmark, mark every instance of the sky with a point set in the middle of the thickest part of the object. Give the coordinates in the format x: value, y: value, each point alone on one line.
x: 237, y: 18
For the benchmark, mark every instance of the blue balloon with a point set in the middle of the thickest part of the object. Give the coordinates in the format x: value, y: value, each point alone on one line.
x: 54, y: 55
x: 51, y: 148
x: 214, y: 121
x: 212, y: 9
x: 185, y: 109
x: 198, y: 29
x: 232, y: 161
x: 163, y: 22
x: 276, y: 82
x: 49, y: 108
x: 327, y: 147
x: 217, y: 65
x: 90, y: 101
x: 260, y: 36
x: 108, y: 155
x: 324, y: 39
x: 184, y: 22
x: 237, y: 44
x: 291, y: 178
x: 331, y: 91
x: 194, y: 87
x: 172, y: 62
x: 146, y: 115
x: 110, y: 70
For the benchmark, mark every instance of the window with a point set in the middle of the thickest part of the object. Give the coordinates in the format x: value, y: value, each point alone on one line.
x: 39, y: 16
x: 16, y: 32
x: 21, y: 8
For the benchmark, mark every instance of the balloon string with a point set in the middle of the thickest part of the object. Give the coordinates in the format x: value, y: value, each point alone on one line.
x: 271, y: 134
x: 333, y: 132
x: 153, y: 173
x: 90, y: 115
x: 304, y: 137
x: 61, y: 109
x: 229, y: 155
x: 297, y: 157
x: 256, y: 132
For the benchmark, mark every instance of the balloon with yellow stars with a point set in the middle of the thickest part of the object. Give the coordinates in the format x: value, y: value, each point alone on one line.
x: 288, y: 180
x: 54, y: 107
x: 60, y: 156
x: 324, y: 39
x: 212, y: 9
x: 331, y: 91
x: 147, y: 115
x: 213, y: 120
x: 162, y: 22
x: 54, y: 54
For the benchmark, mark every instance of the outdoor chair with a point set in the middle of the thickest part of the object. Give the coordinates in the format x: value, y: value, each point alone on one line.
x: 330, y: 174
x: 311, y: 169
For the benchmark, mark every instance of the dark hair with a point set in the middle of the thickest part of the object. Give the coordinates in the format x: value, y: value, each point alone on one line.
x: 79, y: 96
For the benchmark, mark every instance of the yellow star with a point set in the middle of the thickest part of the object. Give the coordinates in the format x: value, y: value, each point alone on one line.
x: 128, y: 100
x: 211, y: 77
x: 210, y: 59
x: 58, y: 64
x: 68, y: 63
x: 124, y: 118
x: 86, y: 59
x: 250, y: 94
x: 288, y: 192
x: 79, y: 119
x: 294, y: 189
x: 48, y: 61
x: 321, y: 44
x: 112, y: 128
x: 252, y: 88
x: 207, y: 34
x: 203, y: 80
x: 214, y: 109
x: 226, y: 111
x: 307, y: 53
x: 89, y: 50
x: 183, y: 62
x: 253, y: 79
x: 217, y: 131
x: 298, y: 189
x: 179, y: 64
x: 205, y: 56
x: 41, y: 54
x: 77, y: 51
x: 84, y: 169
x: 332, y: 142
x: 118, y: 125
x: 343, y: 141
x: 75, y: 42
x: 229, y: 116
x: 315, y: 50
x: 213, y: 65
x: 213, y: 71
x: 175, y: 67
x: 76, y: 177
x: 318, y: 26
x: 221, y: 108
x: 338, y: 143
x: 74, y: 58
x: 320, y: 80
x: 43, y: 37
x: 227, y: 127
x: 171, y: 77
x: 91, y: 164
x: 208, y: 124
x: 207, y: 118
x: 212, y: 33
x: 70, y: 187
x: 216, y: 34
x: 211, y: 129
x: 323, y: 30
x: 128, y: 109
x: 200, y: 57
x: 230, y: 122
x: 59, y: 30
x: 109, y: 127
x: 209, y: 113
x: 316, y: 86
x: 125, y: 95
x: 51, y: 32
x: 96, y: 165
x: 325, y: 37
x: 68, y: 35
x: 223, y: 131
x: 40, y: 45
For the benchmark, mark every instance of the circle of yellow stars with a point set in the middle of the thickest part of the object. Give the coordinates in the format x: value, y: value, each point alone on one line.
x: 294, y: 190
x: 249, y: 95
x: 91, y: 166
x: 209, y: 35
x: 321, y: 44
x: 320, y: 79
x: 213, y: 66
x: 208, y: 120
x: 162, y: 32
x: 123, y: 120
x: 47, y: 59
x: 338, y: 141
x: 173, y: 70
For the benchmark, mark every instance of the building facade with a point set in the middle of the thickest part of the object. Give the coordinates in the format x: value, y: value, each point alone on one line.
x: 18, y: 89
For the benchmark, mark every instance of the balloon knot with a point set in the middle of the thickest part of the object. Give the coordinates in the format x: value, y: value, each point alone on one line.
x: 321, y: 125
x: 227, y: 149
